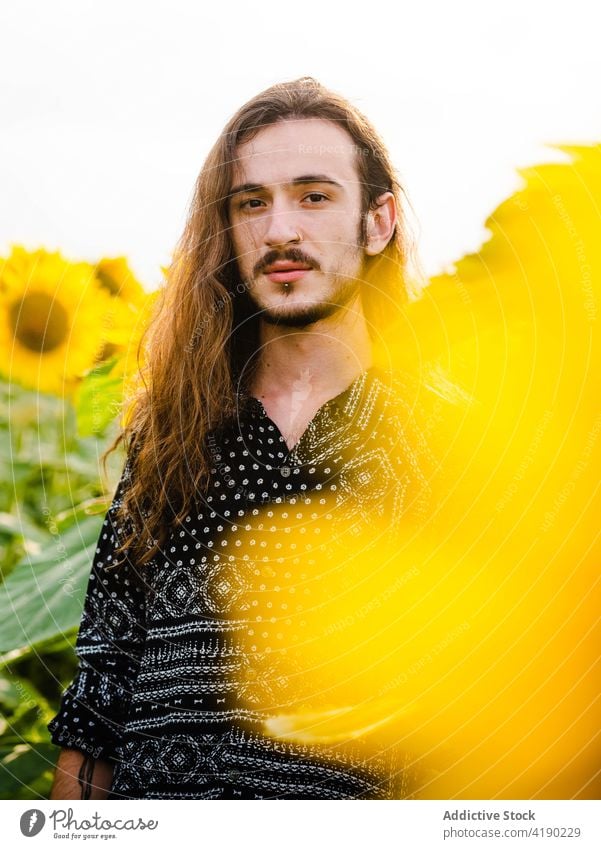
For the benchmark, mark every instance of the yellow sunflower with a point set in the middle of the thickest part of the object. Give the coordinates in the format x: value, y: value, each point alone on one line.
x: 51, y: 327
x: 127, y: 308
x: 115, y: 275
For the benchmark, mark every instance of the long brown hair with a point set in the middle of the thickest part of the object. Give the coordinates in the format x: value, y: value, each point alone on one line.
x: 203, y: 333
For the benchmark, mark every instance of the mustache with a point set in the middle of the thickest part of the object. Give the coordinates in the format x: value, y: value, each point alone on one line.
x: 290, y: 255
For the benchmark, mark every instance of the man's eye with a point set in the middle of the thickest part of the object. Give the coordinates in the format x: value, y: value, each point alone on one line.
x: 315, y: 197
x: 246, y: 204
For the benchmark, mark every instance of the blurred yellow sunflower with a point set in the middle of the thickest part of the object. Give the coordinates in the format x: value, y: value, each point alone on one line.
x: 128, y: 302
x: 115, y: 275
x: 51, y: 327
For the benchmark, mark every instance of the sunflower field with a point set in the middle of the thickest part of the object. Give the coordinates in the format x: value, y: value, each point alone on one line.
x: 69, y: 333
x: 506, y: 631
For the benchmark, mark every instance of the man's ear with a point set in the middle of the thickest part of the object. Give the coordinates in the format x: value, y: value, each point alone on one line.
x: 380, y: 223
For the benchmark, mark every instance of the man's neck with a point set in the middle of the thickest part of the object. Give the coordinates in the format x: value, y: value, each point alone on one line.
x: 318, y: 361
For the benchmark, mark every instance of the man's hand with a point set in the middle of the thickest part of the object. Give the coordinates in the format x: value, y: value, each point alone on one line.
x: 80, y: 776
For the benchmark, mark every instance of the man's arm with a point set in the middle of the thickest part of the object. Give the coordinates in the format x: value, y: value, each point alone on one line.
x: 80, y: 776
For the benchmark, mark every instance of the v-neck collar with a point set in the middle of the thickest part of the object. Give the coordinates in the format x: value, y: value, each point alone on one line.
x: 343, y: 403
x: 340, y: 401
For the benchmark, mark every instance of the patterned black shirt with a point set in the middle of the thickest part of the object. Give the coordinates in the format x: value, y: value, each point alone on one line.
x: 160, y: 685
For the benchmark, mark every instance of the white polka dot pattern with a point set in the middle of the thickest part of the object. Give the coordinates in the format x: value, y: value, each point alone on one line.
x: 162, y: 675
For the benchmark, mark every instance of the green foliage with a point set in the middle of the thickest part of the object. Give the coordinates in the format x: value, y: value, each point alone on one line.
x: 99, y: 398
x: 52, y: 504
x: 44, y: 593
x: 27, y: 770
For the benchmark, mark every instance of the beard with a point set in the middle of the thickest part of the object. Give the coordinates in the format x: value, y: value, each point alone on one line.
x: 343, y: 290
x: 302, y: 315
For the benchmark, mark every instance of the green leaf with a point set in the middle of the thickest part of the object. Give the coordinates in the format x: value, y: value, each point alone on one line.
x: 43, y: 595
x: 21, y: 527
x: 98, y: 399
x: 22, y: 767
x: 18, y: 695
x: 10, y: 697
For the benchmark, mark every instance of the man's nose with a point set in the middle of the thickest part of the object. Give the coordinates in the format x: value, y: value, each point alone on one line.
x: 282, y: 226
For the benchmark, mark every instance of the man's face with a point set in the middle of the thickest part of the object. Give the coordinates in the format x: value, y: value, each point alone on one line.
x: 295, y: 215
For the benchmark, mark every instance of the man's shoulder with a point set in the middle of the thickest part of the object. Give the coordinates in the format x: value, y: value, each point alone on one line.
x: 396, y: 385
x: 405, y: 407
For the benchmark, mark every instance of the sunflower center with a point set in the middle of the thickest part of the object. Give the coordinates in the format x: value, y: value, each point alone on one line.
x: 39, y: 322
x: 109, y: 282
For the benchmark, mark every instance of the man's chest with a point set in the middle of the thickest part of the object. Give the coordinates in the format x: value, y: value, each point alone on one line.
x: 290, y: 417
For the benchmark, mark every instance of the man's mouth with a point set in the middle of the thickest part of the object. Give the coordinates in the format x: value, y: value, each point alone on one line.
x: 286, y: 272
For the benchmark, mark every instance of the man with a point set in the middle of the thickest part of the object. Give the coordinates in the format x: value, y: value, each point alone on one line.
x: 260, y: 389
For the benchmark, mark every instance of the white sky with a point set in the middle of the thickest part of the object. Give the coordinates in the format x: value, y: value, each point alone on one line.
x: 107, y: 109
